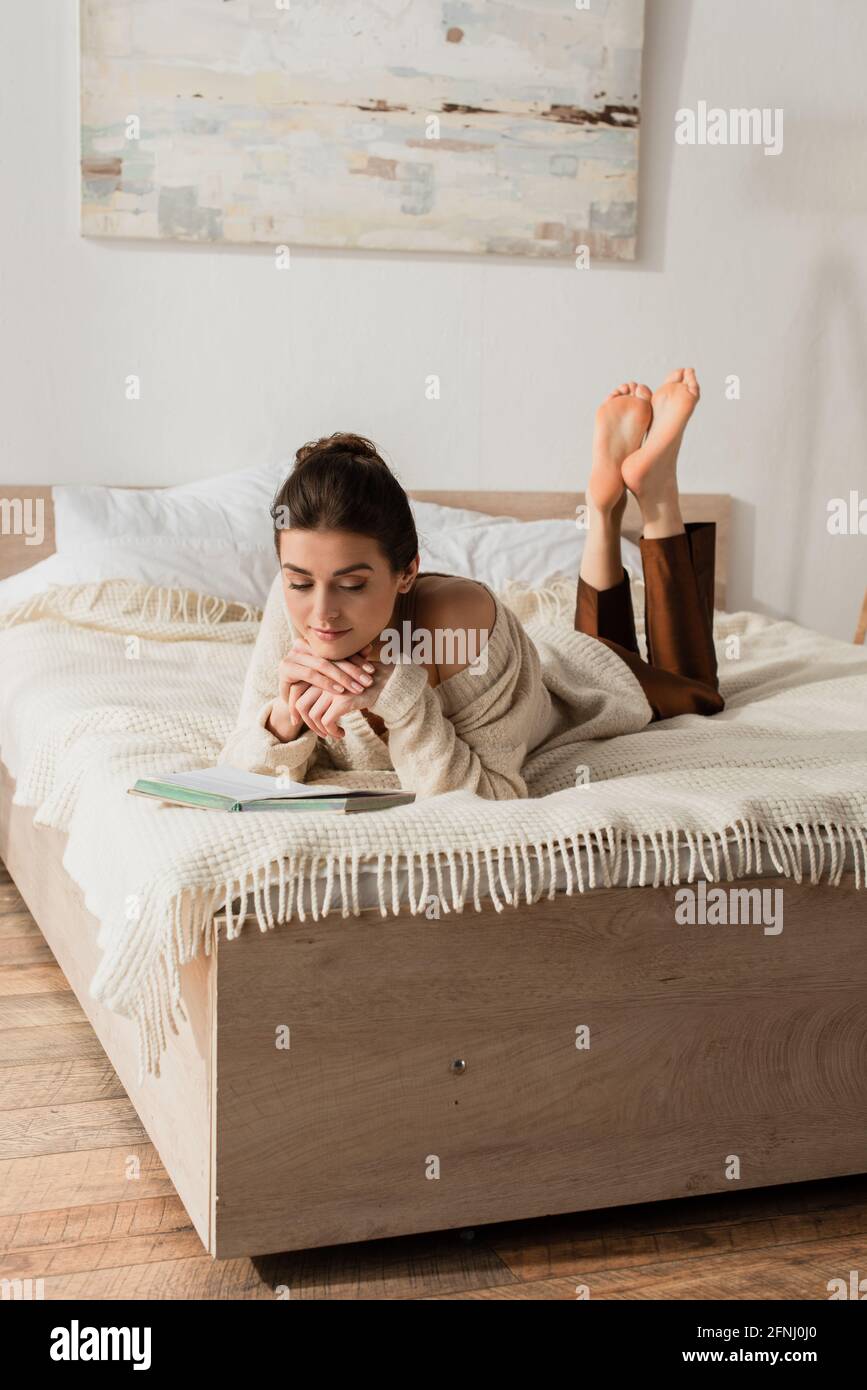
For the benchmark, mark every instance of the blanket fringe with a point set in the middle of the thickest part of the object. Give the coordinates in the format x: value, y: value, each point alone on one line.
x: 554, y: 599
x: 129, y: 600
x: 503, y: 876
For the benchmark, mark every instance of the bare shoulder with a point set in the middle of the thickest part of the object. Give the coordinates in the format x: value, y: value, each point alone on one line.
x: 452, y: 609
x: 454, y: 602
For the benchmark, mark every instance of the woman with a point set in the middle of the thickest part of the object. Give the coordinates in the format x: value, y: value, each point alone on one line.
x: 338, y: 676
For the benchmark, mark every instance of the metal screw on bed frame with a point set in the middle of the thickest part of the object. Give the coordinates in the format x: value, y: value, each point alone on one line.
x: 459, y: 1065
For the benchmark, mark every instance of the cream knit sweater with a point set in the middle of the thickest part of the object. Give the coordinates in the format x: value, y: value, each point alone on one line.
x: 472, y: 732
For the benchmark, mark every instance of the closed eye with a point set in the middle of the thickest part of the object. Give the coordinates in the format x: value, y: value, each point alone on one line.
x: 347, y: 588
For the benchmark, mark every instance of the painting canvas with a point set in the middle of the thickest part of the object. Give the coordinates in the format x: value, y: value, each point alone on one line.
x: 474, y: 126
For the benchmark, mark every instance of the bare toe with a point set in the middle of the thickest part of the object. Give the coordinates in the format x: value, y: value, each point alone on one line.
x: 644, y: 392
x: 676, y: 375
x: 690, y: 381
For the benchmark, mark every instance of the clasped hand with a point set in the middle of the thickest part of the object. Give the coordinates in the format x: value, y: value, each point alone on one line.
x: 318, y: 692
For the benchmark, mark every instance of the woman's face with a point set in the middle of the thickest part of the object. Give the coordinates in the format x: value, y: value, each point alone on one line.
x: 340, y: 589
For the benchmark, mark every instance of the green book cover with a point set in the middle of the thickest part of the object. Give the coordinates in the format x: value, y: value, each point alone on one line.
x: 228, y: 789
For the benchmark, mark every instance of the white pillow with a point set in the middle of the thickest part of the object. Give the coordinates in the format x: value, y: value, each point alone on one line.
x: 231, y: 509
x: 432, y: 516
x: 234, y: 575
x: 215, y: 535
x: 495, y: 549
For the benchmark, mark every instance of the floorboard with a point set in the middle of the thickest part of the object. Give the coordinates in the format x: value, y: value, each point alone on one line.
x: 87, y: 1207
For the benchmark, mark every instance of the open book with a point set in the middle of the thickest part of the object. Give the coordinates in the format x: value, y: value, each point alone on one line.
x: 224, y: 788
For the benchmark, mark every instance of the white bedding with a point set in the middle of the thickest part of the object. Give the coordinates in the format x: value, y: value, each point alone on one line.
x: 108, y: 683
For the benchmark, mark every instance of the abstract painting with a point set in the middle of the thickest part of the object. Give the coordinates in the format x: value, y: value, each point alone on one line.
x: 474, y: 126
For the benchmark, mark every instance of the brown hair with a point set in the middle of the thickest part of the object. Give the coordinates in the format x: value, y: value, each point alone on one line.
x: 340, y: 483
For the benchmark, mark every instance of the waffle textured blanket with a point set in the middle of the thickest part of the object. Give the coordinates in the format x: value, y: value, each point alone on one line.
x: 105, y: 683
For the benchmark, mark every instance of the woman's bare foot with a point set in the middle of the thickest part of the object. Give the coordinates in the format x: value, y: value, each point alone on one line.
x: 650, y: 472
x: 621, y: 424
x: 622, y: 421
x: 652, y: 469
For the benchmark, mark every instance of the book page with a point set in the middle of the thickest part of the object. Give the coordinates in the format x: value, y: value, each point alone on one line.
x: 245, y: 786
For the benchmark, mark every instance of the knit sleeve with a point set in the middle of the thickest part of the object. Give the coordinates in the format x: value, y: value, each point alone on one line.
x: 250, y: 745
x: 430, y: 755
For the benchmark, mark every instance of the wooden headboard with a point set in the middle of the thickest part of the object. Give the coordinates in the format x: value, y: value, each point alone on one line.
x: 17, y: 503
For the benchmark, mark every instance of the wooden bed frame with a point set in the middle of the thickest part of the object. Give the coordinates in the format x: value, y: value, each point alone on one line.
x: 433, y: 1078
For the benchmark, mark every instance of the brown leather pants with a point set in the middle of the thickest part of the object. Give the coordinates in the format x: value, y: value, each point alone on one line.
x: 680, y: 674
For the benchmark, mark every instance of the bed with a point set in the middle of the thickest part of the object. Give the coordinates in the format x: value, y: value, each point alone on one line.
x: 437, y: 1073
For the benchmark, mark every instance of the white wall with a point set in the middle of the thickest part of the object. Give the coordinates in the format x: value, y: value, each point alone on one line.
x: 747, y: 264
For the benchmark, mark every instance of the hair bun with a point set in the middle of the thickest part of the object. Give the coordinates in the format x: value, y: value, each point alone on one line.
x: 340, y: 483
x: 353, y: 446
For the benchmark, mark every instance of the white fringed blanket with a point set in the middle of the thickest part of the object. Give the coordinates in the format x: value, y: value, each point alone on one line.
x: 105, y: 683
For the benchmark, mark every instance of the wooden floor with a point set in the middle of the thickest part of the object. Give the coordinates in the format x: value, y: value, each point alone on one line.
x: 86, y: 1205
